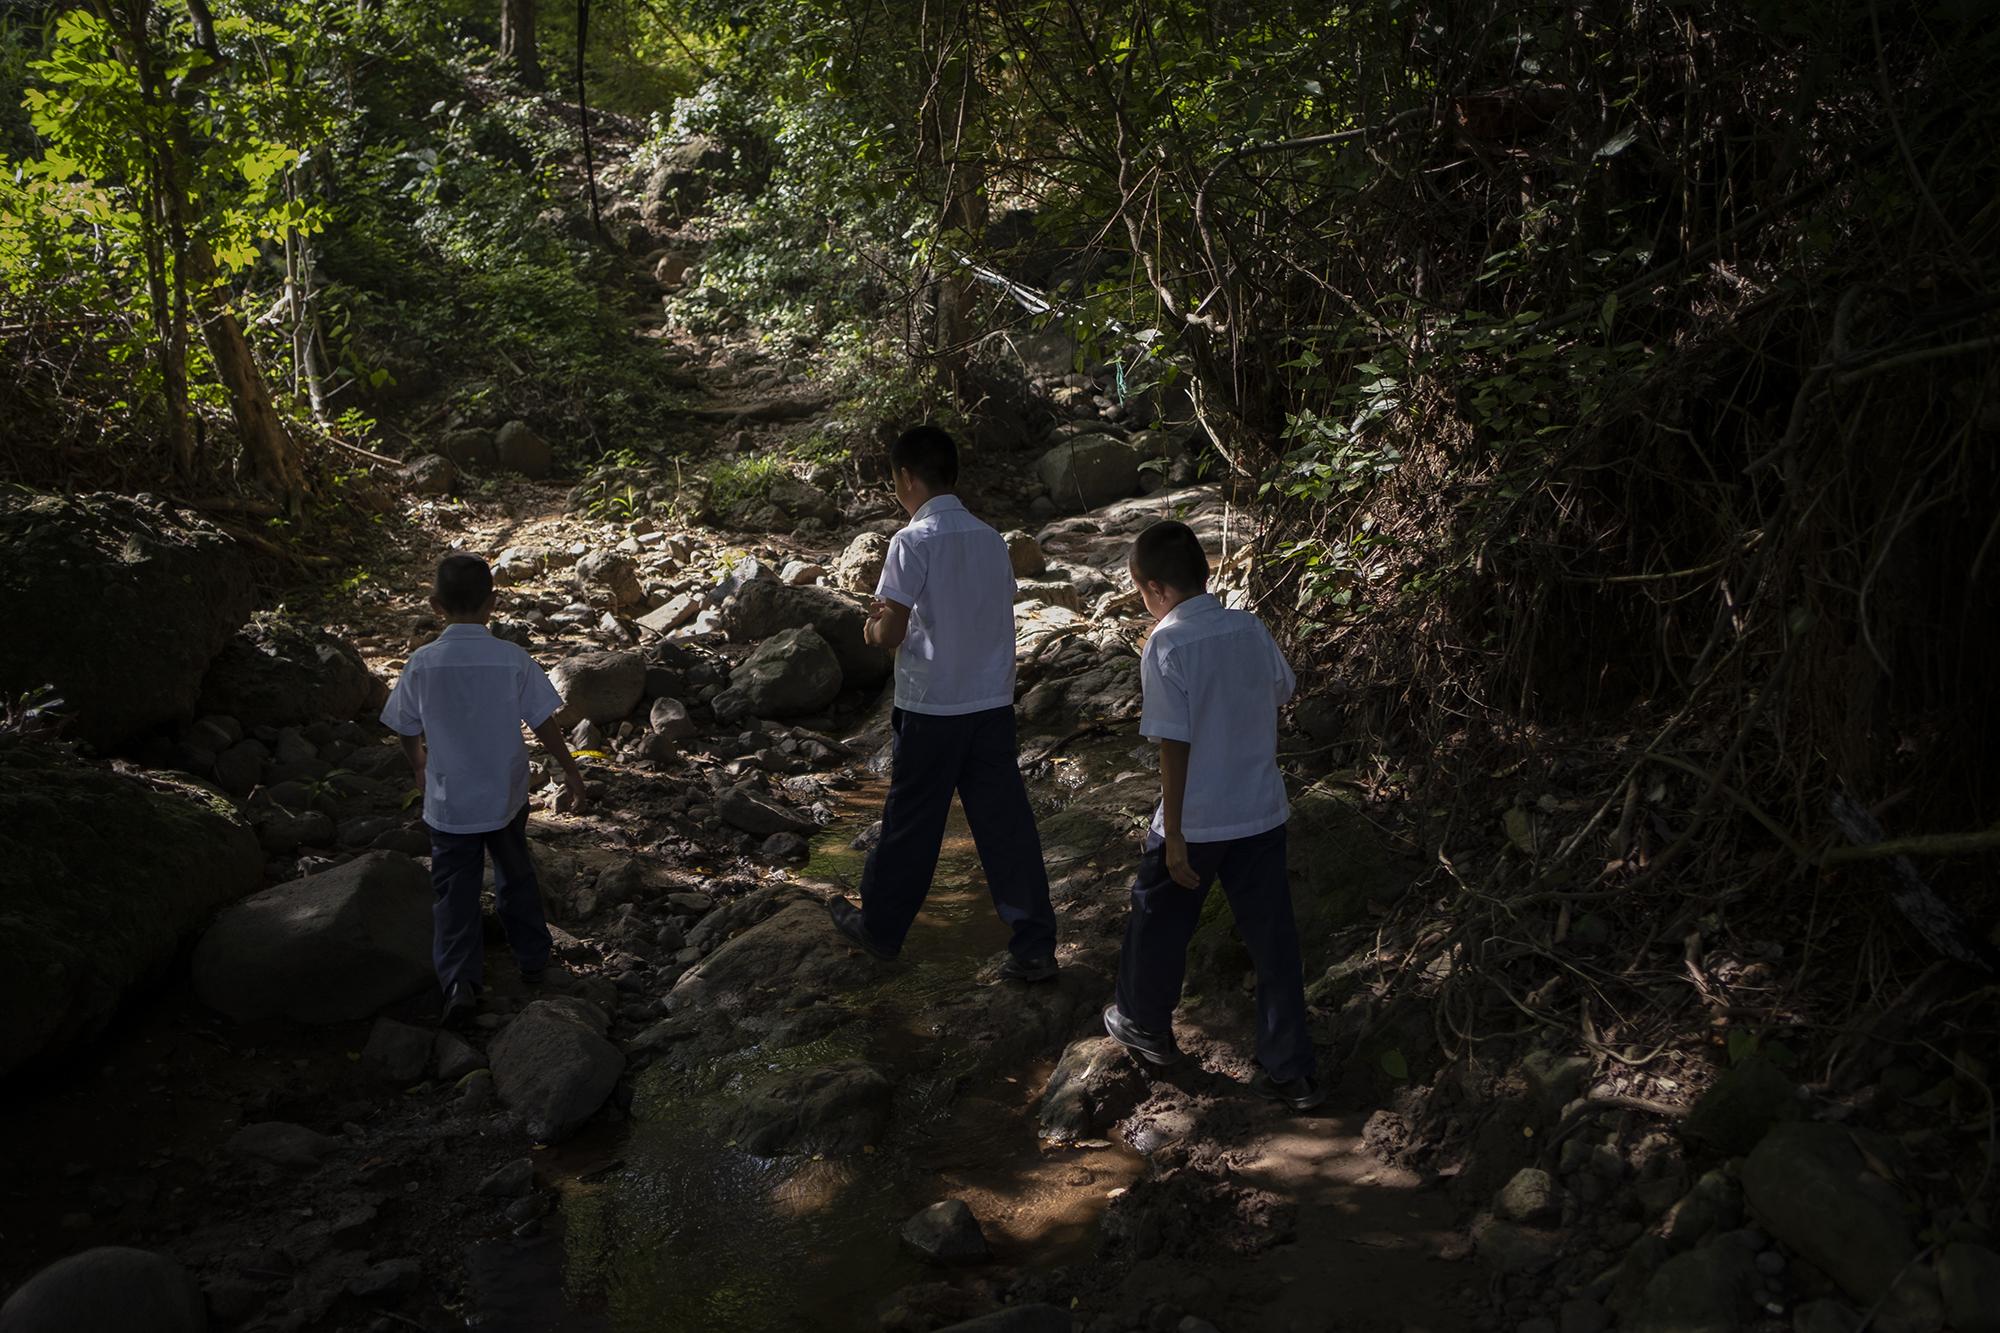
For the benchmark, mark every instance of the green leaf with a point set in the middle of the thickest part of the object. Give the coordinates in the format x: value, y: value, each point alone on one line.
x: 1394, y: 1065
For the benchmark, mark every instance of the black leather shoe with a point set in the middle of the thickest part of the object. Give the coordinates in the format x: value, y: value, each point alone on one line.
x: 1301, y: 1094
x: 847, y: 920
x: 1031, y: 970
x: 1154, y: 1047
x: 460, y: 999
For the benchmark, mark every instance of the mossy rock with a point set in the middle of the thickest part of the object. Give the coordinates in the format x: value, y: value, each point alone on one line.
x: 1075, y: 834
x: 102, y: 876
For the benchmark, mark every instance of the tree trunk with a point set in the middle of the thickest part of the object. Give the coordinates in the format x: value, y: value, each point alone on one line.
x: 517, y: 41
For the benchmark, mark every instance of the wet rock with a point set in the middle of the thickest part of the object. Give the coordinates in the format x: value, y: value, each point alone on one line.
x: 520, y: 450
x: 430, y: 474
x: 1089, y: 471
x: 1709, y: 1290
x: 281, y: 1143
x: 839, y: 1108
x: 744, y: 808
x: 89, y: 916
x: 946, y: 1233
x: 327, y: 948
x: 1509, y: 1247
x: 1036, y: 1318
x: 792, y: 953
x: 601, y: 687
x: 764, y: 607
x: 606, y: 578
x: 669, y: 718
x: 1969, y: 1276
x: 397, y: 1052
x: 859, y: 568
x: 1094, y: 1086
x: 791, y: 674
x: 276, y: 672
x: 159, y: 589
x: 509, y: 1181
x: 1809, y: 1186
x: 552, y: 1066
x: 453, y: 1058
x: 108, y: 1288
x: 1738, y: 1110
x: 1026, y: 555
x: 1530, y: 1196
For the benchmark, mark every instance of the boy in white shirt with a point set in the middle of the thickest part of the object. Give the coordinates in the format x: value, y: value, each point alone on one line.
x: 945, y: 603
x: 1214, y: 681
x: 459, y: 708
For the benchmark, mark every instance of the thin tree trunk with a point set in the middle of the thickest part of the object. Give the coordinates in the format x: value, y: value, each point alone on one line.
x: 583, y: 113
x: 517, y: 41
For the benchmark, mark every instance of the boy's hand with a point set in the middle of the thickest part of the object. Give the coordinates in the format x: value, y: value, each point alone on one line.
x: 572, y: 799
x: 1179, y: 869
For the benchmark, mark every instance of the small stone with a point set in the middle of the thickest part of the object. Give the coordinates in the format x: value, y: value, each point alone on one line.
x: 1530, y: 1197
x: 786, y: 847
x: 281, y: 1144
x: 455, y: 1057
x: 430, y: 474
x: 1770, y: 1263
x: 799, y: 573
x: 475, y: 1092
x: 527, y: 1208
x: 669, y: 718
x: 397, y: 1052
x: 510, y: 1181
x: 946, y: 1233
x: 1025, y: 554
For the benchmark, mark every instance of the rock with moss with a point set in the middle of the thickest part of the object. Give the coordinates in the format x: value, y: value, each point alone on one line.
x: 103, y: 875
x: 276, y: 672
x: 120, y: 603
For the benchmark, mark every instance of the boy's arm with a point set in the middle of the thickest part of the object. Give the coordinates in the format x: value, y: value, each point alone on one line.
x: 553, y: 740
x: 413, y: 750
x: 1173, y: 794
x: 888, y: 624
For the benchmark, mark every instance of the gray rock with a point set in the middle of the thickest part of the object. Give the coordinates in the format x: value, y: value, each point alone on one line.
x: 1969, y: 1276
x: 397, y: 1052
x: 791, y: 951
x: 106, y: 1289
x: 282, y: 831
x: 470, y: 448
x: 510, y: 1180
x: 276, y: 672
x: 1809, y: 1186
x: 606, y: 578
x: 241, y: 767
x: 786, y: 847
x: 671, y: 614
x: 859, y: 568
x: 838, y: 1108
x: 454, y: 1058
x: 746, y: 809
x: 764, y: 607
x: 327, y: 948
x: 669, y: 718
x: 1709, y: 1290
x: 1740, y: 1107
x: 791, y: 674
x: 281, y: 1143
x: 430, y: 474
x: 1036, y: 1318
x: 1530, y: 1196
x: 1094, y: 1086
x: 603, y: 687
x: 1509, y: 1247
x: 798, y: 573
x: 1715, y: 1204
x: 946, y: 1233
x: 1088, y: 472
x: 553, y: 1067
x: 103, y: 878
x: 91, y: 585
x: 520, y: 450
x: 1555, y: 1080
x: 740, y: 576
x: 1025, y: 553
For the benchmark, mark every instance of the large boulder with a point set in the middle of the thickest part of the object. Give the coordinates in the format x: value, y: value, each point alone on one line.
x: 764, y: 607
x: 111, y: 1287
x: 119, y: 603
x: 859, y: 567
x: 600, y: 687
x: 520, y: 450
x: 86, y: 917
x: 1809, y: 1186
x: 328, y: 948
x: 839, y: 1108
x: 553, y: 1067
x: 281, y: 673
x: 1089, y: 471
x: 792, y: 674
x: 790, y: 955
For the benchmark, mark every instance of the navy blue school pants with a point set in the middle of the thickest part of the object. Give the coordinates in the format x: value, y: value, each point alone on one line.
x: 975, y: 755
x: 1163, y: 921
x: 458, y: 868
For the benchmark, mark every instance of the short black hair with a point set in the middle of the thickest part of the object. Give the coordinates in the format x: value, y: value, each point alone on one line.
x: 1170, y: 553
x: 464, y: 582
x: 929, y: 452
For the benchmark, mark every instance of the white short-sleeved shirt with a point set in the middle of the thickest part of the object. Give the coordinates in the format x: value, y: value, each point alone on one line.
x: 1215, y: 679
x: 954, y: 574
x: 467, y: 694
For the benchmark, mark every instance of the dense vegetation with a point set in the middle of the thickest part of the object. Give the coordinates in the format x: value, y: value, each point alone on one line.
x: 1619, y: 382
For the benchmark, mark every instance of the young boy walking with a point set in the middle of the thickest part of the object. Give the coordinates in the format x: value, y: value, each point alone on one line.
x: 945, y: 603
x: 1213, y: 681
x: 459, y: 708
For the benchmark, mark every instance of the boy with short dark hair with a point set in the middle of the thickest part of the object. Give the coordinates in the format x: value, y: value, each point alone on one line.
x: 945, y: 603
x: 459, y: 708
x: 1214, y: 681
